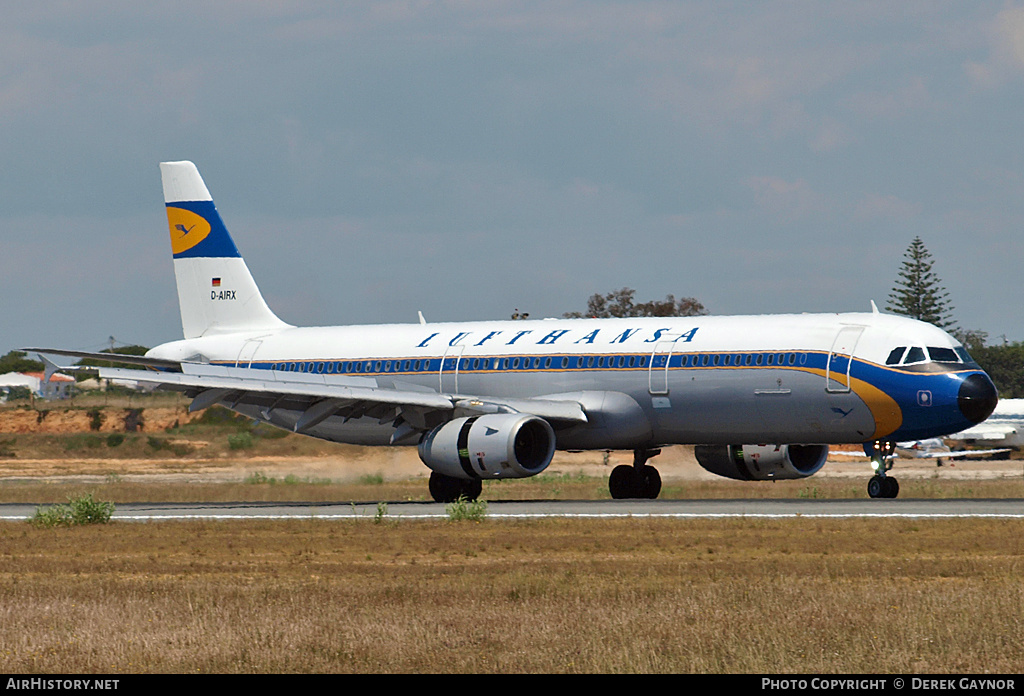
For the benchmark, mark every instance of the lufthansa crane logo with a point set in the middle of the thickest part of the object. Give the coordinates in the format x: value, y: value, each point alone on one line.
x: 187, y: 229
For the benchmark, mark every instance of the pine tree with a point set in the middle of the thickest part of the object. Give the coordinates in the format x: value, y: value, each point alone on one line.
x: 619, y: 303
x: 918, y: 292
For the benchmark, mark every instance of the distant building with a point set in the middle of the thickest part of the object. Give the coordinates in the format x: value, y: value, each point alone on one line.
x: 59, y: 386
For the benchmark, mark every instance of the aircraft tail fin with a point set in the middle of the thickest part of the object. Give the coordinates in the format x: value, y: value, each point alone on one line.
x: 216, y: 292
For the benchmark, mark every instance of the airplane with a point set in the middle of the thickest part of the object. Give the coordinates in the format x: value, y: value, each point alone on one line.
x: 929, y: 448
x: 761, y: 397
x: 1004, y: 428
x: 935, y: 448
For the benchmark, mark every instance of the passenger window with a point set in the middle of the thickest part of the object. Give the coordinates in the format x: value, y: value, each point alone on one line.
x: 896, y: 355
x: 914, y: 355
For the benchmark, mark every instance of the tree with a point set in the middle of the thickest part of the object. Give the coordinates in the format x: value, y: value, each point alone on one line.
x: 18, y: 361
x: 1003, y: 365
x: 619, y: 303
x: 120, y: 350
x: 918, y: 292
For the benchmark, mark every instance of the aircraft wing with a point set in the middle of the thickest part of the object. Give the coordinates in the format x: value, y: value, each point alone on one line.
x: 320, y: 396
x: 958, y: 454
x: 924, y: 454
x: 859, y: 455
x: 986, y: 431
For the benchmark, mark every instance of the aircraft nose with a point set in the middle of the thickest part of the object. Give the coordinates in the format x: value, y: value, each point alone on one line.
x: 977, y: 397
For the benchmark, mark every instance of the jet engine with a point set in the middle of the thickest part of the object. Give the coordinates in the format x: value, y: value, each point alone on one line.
x: 498, y: 445
x: 762, y: 462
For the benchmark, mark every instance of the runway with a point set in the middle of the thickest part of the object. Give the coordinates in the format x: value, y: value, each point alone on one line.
x: 511, y: 510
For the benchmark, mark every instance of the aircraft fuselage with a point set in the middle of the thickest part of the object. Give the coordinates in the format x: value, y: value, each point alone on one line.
x: 643, y: 382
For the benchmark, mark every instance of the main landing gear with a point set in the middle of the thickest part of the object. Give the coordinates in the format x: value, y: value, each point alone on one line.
x: 637, y: 481
x: 448, y: 489
x: 880, y: 485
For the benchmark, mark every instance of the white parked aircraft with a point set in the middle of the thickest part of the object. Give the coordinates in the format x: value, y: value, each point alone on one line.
x: 929, y: 448
x: 495, y: 399
x: 935, y: 448
x: 1004, y: 428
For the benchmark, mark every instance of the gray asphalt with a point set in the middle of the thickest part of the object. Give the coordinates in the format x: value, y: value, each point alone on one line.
x: 995, y: 508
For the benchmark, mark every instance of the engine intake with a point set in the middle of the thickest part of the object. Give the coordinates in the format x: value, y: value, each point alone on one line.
x: 762, y: 462
x: 499, y: 445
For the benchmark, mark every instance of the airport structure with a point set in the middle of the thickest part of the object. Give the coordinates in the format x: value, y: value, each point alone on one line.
x: 56, y: 387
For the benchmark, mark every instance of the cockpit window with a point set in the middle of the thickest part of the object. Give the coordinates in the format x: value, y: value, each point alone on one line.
x: 914, y: 355
x: 943, y: 355
x: 965, y: 357
x: 895, y: 355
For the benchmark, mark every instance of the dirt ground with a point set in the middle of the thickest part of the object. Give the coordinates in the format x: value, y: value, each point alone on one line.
x: 346, y: 463
x: 400, y: 463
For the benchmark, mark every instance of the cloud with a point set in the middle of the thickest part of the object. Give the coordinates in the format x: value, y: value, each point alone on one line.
x: 1006, y: 51
x: 785, y: 202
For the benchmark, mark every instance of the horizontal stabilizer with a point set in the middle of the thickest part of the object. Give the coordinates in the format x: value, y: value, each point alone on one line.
x: 135, y: 360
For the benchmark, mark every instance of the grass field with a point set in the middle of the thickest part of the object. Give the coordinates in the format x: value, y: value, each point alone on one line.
x: 545, y: 596
x: 563, y: 596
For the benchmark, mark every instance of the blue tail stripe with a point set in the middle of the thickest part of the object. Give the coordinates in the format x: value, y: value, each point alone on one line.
x: 218, y: 243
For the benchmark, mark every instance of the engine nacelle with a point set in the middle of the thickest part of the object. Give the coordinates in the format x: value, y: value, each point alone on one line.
x: 762, y: 462
x: 498, y: 445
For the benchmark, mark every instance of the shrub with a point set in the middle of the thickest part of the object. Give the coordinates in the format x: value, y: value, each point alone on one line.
x: 96, y: 418
x: 77, y: 511
x: 470, y: 510
x: 242, y: 440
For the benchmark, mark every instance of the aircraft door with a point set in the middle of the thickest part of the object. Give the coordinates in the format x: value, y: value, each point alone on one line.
x: 840, y: 358
x: 449, y: 374
x: 657, y: 371
x: 248, y: 352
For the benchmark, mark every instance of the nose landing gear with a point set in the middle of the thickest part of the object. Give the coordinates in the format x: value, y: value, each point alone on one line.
x: 880, y: 485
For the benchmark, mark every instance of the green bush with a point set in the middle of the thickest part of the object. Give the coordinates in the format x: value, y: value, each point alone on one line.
x: 468, y: 510
x: 242, y: 440
x: 77, y: 511
x: 96, y: 418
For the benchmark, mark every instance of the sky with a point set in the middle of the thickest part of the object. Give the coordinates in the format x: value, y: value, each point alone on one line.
x: 468, y: 159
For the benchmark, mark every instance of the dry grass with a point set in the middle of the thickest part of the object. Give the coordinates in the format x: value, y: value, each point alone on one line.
x: 633, y: 595
x: 641, y: 595
x: 263, y: 488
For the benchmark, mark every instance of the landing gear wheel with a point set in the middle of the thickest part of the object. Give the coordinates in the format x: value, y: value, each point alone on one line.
x: 892, y: 487
x: 622, y: 482
x: 638, y: 481
x: 448, y: 489
x: 883, y: 487
x: 876, y: 487
x: 649, y: 482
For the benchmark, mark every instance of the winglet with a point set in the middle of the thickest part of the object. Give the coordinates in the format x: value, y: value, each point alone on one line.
x: 50, y: 368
